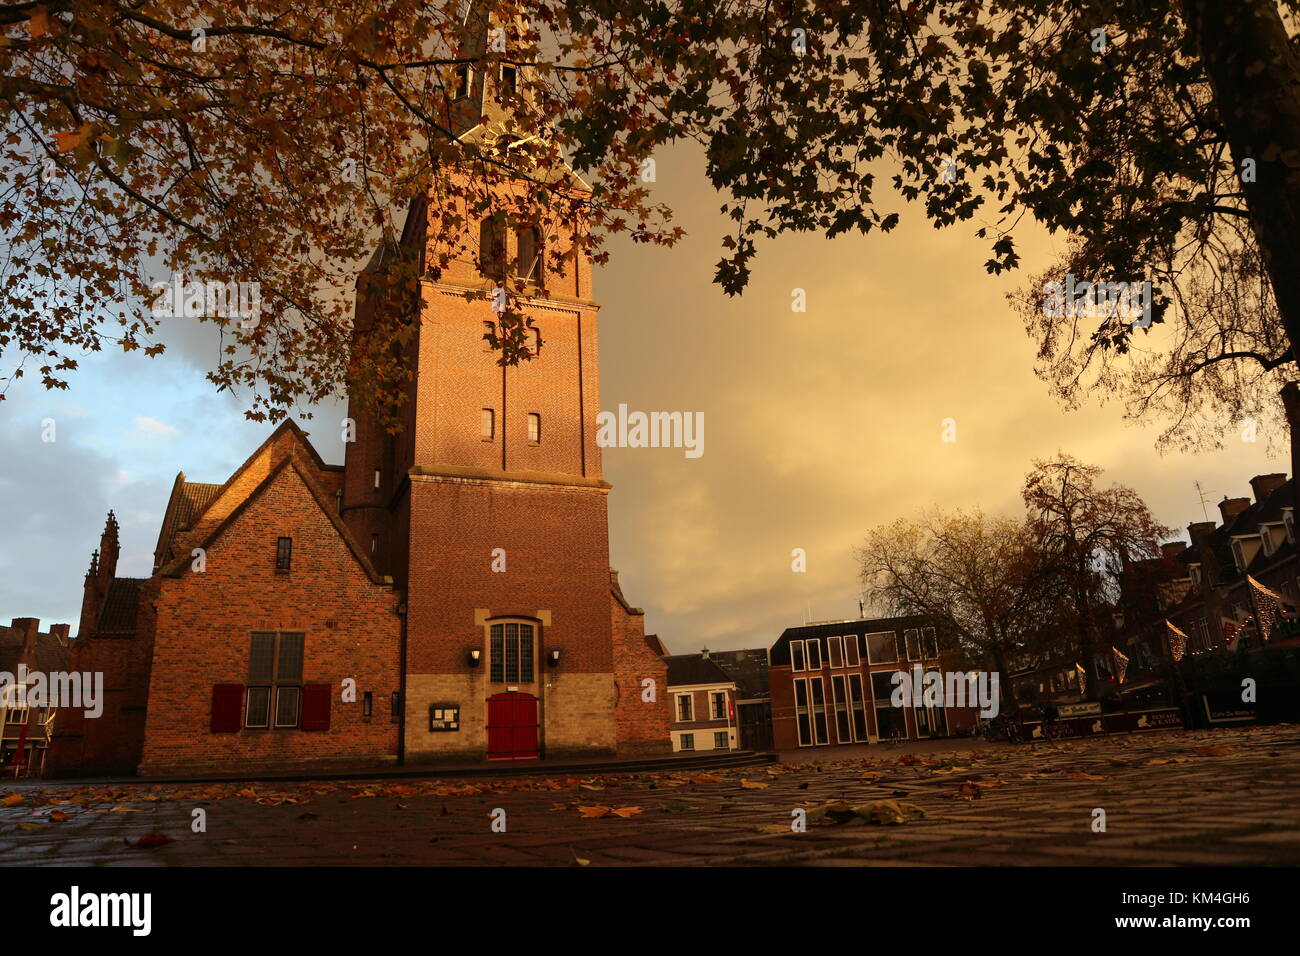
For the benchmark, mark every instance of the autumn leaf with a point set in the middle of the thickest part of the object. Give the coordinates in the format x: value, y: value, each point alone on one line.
x: 68, y: 141
x: 706, y: 778
x: 12, y: 800
x: 149, y: 841
x: 592, y: 813
x: 969, y: 791
x: 39, y: 24
x: 58, y: 816
x: 753, y: 785
x: 32, y: 826
x: 626, y: 812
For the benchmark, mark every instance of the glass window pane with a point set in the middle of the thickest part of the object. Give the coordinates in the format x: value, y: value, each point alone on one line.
x: 512, y: 653
x: 286, y: 706
x: 289, y: 668
x: 525, y: 653
x: 259, y: 707
x: 796, y: 655
x: 882, y: 648
x: 261, y: 658
x: 496, y: 654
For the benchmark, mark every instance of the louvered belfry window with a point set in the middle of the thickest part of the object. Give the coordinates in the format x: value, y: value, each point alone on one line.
x: 510, y: 651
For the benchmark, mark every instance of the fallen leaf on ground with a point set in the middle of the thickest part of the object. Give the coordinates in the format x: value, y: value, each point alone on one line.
x: 626, y: 812
x: 592, y: 813
x: 149, y: 841
x: 753, y: 785
x: 12, y: 800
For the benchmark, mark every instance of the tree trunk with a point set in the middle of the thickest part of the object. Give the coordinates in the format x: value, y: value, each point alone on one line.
x: 1256, y: 82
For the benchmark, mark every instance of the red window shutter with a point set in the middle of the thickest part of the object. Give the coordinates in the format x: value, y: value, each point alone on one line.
x: 227, y: 708
x: 316, y: 706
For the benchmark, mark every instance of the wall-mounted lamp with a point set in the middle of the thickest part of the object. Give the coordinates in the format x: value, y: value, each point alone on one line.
x: 473, y: 657
x: 553, y: 658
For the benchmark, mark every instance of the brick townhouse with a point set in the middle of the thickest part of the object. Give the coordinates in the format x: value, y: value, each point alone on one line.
x: 832, y: 684
x: 26, y: 728
x: 703, y: 702
x: 445, y: 594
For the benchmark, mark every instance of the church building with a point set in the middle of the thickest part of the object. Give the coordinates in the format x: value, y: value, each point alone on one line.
x: 444, y: 595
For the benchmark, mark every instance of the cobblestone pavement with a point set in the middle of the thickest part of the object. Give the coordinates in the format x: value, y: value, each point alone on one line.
x: 1172, y: 797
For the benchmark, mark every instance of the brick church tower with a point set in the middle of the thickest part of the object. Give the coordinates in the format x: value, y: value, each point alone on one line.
x: 489, y: 510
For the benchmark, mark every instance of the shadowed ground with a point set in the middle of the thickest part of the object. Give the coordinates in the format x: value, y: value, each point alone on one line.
x: 1170, y: 797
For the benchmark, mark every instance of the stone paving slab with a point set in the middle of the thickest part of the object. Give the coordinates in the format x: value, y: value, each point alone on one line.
x: 1223, y: 797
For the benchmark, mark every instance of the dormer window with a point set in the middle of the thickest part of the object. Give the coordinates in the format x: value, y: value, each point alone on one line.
x: 1288, y: 519
x: 1239, y: 555
x: 1266, y: 538
x: 1194, y: 572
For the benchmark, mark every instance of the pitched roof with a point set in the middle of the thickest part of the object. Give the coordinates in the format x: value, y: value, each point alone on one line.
x: 188, y: 501
x: 118, y: 613
x: 685, y: 670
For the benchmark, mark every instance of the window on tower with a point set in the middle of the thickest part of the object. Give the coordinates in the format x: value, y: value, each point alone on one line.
x: 528, y: 254
x: 464, y: 81
x: 487, y: 424
x: 509, y: 80
x: 534, y: 428
x: 492, y: 246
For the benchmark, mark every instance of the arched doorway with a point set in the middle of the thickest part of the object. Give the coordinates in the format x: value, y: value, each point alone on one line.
x: 512, y: 726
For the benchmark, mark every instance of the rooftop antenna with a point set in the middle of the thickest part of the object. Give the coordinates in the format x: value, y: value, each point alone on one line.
x: 808, y: 617
x: 1201, y: 494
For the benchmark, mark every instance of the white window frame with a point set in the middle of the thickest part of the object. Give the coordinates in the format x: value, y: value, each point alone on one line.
x: 808, y: 645
x: 803, y: 653
x: 907, y: 646
x: 713, y: 699
x: 677, y: 714
x: 851, y: 644
x: 893, y: 636
x: 835, y: 649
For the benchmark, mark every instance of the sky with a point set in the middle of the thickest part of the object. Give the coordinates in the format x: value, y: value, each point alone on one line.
x: 819, y: 425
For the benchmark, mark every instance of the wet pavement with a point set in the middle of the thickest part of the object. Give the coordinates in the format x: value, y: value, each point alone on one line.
x: 1222, y: 797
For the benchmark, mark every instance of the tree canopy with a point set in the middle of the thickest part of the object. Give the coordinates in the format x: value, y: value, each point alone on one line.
x: 278, y: 143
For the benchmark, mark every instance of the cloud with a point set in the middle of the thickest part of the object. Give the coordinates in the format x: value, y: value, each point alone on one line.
x: 152, y: 428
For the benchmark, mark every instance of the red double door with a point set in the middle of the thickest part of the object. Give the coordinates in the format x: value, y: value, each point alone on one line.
x: 512, y: 726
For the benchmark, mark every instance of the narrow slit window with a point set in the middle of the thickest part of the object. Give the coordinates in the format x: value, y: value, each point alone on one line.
x: 487, y: 424
x: 534, y: 428
x: 283, y: 554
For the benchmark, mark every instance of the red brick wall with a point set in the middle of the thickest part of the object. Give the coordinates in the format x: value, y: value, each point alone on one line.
x: 111, y: 743
x: 642, y: 725
x: 205, y: 620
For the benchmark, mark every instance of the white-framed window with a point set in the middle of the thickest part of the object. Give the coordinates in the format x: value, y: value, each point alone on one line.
x: 882, y: 648
x: 721, y: 740
x: 835, y: 649
x: 851, y: 650
x: 688, y: 741
x: 817, y: 702
x: 534, y: 428
x: 685, y: 708
x: 814, y: 654
x: 1239, y: 555
x: 464, y: 81
x: 797, y: 658
x: 1288, y: 519
x: 929, y: 643
x: 857, y: 708
x: 802, y: 712
x: 1194, y: 572
x: 718, y: 705
x: 509, y: 79
x: 912, y: 640
x: 840, y: 700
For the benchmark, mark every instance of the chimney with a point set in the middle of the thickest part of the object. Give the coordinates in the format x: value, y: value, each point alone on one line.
x: 1173, y: 549
x: 1199, y: 534
x: 60, y: 632
x: 1231, y: 507
x: 705, y: 653
x: 1265, y: 485
x: 1291, y: 402
x: 26, y: 626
